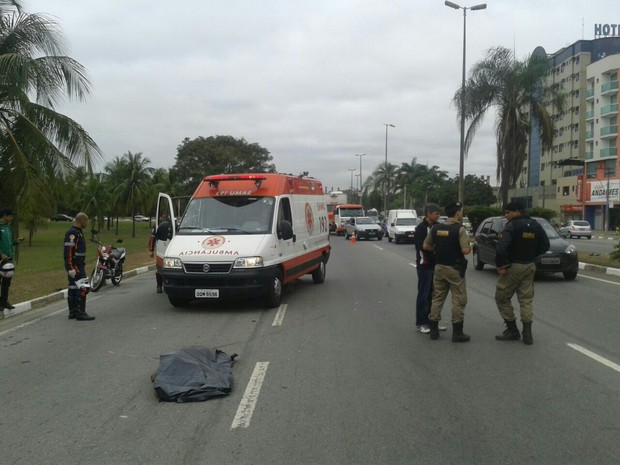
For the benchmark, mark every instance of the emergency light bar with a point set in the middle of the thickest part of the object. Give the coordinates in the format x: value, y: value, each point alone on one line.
x: 215, y: 180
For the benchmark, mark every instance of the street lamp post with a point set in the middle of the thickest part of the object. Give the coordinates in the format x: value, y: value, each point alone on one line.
x: 360, y: 175
x: 481, y: 6
x: 386, y: 184
x: 351, y: 170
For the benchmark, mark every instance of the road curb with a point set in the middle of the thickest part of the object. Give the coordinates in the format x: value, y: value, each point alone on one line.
x: 60, y: 295
x: 599, y: 269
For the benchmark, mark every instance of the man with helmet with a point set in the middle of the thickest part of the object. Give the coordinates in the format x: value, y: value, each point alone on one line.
x: 7, y: 247
x: 75, y: 261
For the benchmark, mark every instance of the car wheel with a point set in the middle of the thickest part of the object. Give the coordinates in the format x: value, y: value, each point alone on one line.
x: 570, y: 275
x: 379, y: 238
x: 274, y: 291
x: 318, y: 275
x: 478, y: 264
x: 389, y: 238
x: 589, y: 237
x: 178, y: 301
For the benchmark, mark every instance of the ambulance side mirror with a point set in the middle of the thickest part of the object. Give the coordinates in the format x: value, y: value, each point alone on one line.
x: 285, y: 230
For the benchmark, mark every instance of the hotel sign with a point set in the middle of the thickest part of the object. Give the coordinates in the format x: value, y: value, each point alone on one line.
x: 606, y: 30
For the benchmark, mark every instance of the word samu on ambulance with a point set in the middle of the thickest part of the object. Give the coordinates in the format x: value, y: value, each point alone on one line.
x: 245, y: 235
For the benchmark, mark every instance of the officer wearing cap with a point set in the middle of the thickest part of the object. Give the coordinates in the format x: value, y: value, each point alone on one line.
x: 7, y: 247
x: 522, y: 240
x: 450, y: 243
x: 75, y: 262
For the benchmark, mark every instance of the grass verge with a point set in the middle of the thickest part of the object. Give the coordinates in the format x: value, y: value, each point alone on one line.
x: 40, y: 265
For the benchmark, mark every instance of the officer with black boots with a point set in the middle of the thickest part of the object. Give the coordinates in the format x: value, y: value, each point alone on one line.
x: 522, y: 241
x: 75, y: 261
x: 450, y: 243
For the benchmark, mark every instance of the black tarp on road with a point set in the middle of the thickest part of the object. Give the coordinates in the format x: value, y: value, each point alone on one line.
x: 193, y: 374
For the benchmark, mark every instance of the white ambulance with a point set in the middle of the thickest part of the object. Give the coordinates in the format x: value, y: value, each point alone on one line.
x: 244, y: 235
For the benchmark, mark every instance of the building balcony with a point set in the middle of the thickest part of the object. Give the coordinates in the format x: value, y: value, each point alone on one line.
x: 590, y: 115
x: 589, y: 135
x: 609, y: 131
x: 609, y: 110
x: 589, y: 94
x: 609, y: 87
x: 589, y: 155
x: 609, y: 152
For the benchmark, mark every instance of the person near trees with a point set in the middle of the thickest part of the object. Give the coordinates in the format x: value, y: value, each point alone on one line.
x: 7, y: 249
x: 75, y: 263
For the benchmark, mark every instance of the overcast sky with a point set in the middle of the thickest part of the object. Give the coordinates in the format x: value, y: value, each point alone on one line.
x: 313, y: 82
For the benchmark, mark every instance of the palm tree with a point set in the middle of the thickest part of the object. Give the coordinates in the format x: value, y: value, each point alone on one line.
x: 384, y: 177
x: 37, y: 144
x: 521, y: 96
x: 131, y: 181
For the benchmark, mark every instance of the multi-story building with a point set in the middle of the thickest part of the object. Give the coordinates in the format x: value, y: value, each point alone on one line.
x: 586, y: 137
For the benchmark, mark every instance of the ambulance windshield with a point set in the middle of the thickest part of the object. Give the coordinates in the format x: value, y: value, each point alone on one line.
x: 228, y: 215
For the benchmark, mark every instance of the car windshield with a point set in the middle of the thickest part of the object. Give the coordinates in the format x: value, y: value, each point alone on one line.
x: 552, y: 233
x: 351, y: 212
x: 364, y: 220
x: 406, y: 221
x: 228, y: 215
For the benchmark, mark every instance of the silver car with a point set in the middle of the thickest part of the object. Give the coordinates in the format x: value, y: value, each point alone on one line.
x: 576, y: 228
x: 363, y: 227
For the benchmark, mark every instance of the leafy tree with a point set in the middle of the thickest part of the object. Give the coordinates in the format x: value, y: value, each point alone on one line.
x: 521, y: 96
x: 204, y: 156
x: 37, y: 144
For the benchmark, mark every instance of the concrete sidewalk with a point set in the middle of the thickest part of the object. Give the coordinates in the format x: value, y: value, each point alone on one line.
x: 61, y: 295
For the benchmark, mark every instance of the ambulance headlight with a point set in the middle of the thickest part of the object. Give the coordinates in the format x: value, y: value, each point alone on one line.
x: 173, y: 263
x: 248, y: 262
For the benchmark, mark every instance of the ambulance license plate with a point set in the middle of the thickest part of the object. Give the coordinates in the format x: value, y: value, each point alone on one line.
x: 207, y: 293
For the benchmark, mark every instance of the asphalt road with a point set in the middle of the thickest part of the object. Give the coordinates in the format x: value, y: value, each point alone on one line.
x: 336, y: 375
x: 594, y: 245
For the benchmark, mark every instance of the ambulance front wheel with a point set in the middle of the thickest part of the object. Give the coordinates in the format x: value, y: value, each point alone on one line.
x: 274, y: 291
x: 318, y: 275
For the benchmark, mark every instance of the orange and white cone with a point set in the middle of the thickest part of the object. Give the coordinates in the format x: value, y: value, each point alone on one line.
x: 353, y: 239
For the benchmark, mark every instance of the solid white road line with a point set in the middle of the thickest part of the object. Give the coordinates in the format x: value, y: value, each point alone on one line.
x: 592, y: 355
x: 250, y: 397
x: 599, y: 279
x: 277, y: 321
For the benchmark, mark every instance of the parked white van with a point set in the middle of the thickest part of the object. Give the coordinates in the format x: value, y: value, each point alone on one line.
x: 244, y: 235
x: 401, y: 225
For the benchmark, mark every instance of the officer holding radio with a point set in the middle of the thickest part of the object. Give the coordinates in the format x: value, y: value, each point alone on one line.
x: 522, y: 240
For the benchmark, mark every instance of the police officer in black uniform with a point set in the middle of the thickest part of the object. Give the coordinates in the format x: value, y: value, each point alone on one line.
x: 450, y: 242
x: 523, y: 239
x: 75, y: 262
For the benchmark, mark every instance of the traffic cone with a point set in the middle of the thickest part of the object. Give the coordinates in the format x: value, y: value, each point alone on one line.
x: 353, y: 239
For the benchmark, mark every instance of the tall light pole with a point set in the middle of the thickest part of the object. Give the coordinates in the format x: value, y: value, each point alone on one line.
x: 351, y: 170
x: 481, y: 6
x: 360, y: 175
x: 386, y: 184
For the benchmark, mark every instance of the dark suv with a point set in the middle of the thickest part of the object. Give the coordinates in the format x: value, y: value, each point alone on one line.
x: 560, y: 258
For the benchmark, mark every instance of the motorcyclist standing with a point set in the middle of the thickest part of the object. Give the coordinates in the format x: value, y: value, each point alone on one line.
x: 75, y: 262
